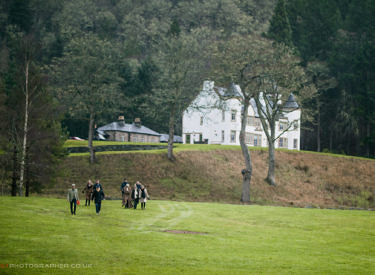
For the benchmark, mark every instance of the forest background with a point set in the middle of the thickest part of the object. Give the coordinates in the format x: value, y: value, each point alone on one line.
x: 51, y: 51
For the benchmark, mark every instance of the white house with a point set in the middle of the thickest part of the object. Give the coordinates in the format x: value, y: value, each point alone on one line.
x: 210, y: 120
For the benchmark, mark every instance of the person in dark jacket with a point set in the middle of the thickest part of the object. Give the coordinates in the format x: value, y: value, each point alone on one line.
x: 98, y: 184
x: 122, y: 188
x: 136, y: 195
x: 139, y: 185
x: 98, y: 195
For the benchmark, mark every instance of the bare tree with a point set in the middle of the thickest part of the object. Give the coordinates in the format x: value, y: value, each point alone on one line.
x: 29, y: 88
x: 266, y: 72
x: 181, y: 61
x: 282, y: 75
x: 241, y: 60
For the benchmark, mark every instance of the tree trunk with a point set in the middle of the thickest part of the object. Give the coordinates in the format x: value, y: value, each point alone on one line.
x: 318, y: 128
x: 14, y: 175
x: 271, y: 163
x: 368, y: 133
x: 91, y: 147
x: 25, y: 125
x: 27, y: 178
x: 247, y: 172
x: 171, y: 134
x: 27, y: 186
x: 330, y: 140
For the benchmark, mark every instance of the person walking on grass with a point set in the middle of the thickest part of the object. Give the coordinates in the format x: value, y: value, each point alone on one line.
x: 123, y: 184
x: 126, y: 201
x: 98, y: 195
x: 73, y: 198
x: 136, y: 195
x: 144, y: 197
x: 88, y: 190
x: 97, y: 184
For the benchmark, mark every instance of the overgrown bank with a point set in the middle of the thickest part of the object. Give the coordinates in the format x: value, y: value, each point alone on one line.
x: 303, y: 179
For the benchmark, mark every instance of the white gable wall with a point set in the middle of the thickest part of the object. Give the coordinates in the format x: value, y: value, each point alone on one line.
x: 207, y: 123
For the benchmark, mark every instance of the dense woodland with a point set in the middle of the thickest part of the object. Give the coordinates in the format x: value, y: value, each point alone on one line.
x: 66, y: 66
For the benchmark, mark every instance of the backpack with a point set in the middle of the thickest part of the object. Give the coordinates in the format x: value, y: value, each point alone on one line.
x: 143, y: 194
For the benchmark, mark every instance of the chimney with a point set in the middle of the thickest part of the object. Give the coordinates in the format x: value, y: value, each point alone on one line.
x: 137, y: 122
x: 121, y: 121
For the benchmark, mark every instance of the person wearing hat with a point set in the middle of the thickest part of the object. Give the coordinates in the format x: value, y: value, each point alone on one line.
x: 73, y: 198
x: 98, y: 195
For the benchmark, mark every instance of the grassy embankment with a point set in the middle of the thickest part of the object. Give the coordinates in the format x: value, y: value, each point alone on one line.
x: 212, y: 173
x: 238, y: 240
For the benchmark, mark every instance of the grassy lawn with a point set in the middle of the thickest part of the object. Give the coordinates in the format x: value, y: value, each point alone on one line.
x: 238, y: 240
x: 177, y: 147
x: 184, y: 147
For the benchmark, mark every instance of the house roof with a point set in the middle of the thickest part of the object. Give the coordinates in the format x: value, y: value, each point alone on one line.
x: 130, y: 128
x: 291, y: 102
x: 232, y: 91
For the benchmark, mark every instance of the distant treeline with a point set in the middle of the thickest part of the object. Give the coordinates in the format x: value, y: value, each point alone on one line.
x: 66, y: 66
x: 336, y: 40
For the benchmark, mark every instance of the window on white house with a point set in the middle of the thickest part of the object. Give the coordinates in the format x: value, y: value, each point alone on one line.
x: 222, y: 136
x: 233, y: 116
x: 257, y: 122
x: 233, y: 136
x: 223, y: 116
x: 295, y: 125
x: 295, y: 143
x: 283, y: 143
x: 253, y: 121
x: 201, y: 120
x: 257, y: 140
x: 253, y: 139
x: 283, y: 126
x: 247, y: 138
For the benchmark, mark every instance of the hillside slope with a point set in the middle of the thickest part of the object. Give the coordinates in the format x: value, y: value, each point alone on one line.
x: 303, y: 179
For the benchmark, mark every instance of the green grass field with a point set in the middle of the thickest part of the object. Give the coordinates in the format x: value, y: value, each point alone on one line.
x: 184, y: 147
x: 237, y: 240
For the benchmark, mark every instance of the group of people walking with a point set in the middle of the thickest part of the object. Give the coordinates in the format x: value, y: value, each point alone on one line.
x: 93, y: 192
x: 130, y: 196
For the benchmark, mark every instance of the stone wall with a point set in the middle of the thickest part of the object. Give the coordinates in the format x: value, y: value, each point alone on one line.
x: 134, y: 137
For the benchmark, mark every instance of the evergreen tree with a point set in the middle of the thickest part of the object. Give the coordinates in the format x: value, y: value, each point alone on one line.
x: 280, y: 29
